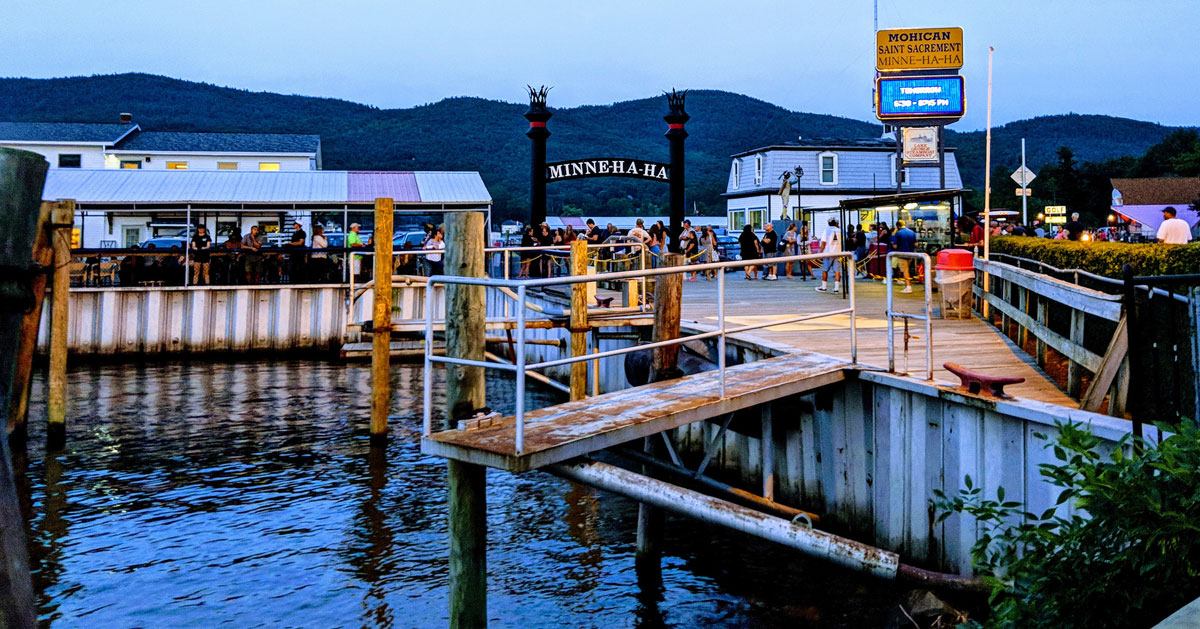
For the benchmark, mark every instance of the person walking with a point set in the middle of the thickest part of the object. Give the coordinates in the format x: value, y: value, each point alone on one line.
x: 708, y: 249
x: 527, y: 240
x: 860, y: 252
x: 770, y: 249
x: 690, y: 247
x: 905, y: 241
x: 831, y: 243
x: 1173, y: 231
x: 751, y: 250
x: 804, y: 248
x: 201, y: 244
x: 656, y: 245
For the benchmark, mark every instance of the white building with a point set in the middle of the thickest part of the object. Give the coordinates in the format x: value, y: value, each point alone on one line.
x: 86, y: 145
x: 834, y: 170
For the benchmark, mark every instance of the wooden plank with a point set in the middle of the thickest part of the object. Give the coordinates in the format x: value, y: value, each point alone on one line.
x: 1074, y: 369
x: 813, y: 491
x: 1043, y: 318
x: 1106, y: 374
x: 1023, y: 306
x: 891, y: 453
x: 577, y: 428
x: 963, y: 440
x: 1119, y: 393
x: 1091, y: 301
x: 1066, y: 347
x: 925, y: 466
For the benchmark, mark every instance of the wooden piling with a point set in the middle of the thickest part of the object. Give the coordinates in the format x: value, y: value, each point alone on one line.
x: 22, y: 177
x: 381, y: 334
x: 668, y: 297
x: 1074, y: 369
x: 43, y: 256
x: 62, y: 218
x: 466, y: 312
x: 579, y: 320
x: 1043, y: 317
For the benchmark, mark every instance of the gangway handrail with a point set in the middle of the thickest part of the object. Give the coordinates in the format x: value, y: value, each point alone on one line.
x: 519, y: 365
x: 892, y: 314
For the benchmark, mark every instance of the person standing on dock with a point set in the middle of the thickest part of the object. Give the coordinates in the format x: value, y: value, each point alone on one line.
x: 751, y: 250
x: 436, y: 245
x: 296, y: 259
x: 905, y: 241
x: 252, y: 243
x: 201, y: 243
x: 354, y: 241
x: 770, y: 249
x: 831, y: 243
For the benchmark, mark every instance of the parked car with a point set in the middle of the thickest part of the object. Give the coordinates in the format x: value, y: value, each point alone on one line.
x: 408, y: 240
x: 728, y: 248
x: 165, y: 242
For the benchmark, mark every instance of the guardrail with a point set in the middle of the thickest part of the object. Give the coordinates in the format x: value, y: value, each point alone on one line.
x: 892, y: 314
x: 519, y: 366
x: 134, y: 267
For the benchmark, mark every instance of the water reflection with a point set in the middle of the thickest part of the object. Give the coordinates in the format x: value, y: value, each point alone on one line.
x: 247, y: 494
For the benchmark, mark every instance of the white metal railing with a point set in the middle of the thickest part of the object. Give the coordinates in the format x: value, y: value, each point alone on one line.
x: 612, y: 243
x: 519, y: 366
x: 892, y: 315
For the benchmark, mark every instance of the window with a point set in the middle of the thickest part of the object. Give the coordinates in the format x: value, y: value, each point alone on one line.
x: 132, y: 236
x: 176, y: 165
x: 268, y: 165
x: 757, y: 217
x: 828, y: 162
x: 758, y: 170
x: 131, y: 164
x: 226, y: 165
x: 70, y: 160
x: 737, y: 173
x: 737, y: 220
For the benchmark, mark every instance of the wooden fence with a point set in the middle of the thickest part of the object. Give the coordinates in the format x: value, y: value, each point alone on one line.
x: 1024, y: 298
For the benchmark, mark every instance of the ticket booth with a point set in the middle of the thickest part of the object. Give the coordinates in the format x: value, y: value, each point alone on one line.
x: 931, y: 215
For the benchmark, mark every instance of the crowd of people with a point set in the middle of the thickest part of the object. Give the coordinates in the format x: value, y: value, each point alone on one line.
x: 1173, y: 230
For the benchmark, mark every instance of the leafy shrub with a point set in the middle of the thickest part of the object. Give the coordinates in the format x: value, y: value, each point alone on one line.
x: 1104, y: 258
x: 1134, y: 562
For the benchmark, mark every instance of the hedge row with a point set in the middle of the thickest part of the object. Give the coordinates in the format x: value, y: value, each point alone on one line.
x: 1104, y: 258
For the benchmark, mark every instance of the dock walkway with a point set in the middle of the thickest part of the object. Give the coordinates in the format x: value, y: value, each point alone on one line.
x: 969, y: 342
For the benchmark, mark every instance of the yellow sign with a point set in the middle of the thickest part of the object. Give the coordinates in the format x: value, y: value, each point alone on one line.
x: 1056, y: 210
x: 919, y: 49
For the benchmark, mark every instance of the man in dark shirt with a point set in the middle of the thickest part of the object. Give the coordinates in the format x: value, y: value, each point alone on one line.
x: 201, y: 243
x: 770, y: 248
x: 905, y: 240
x: 297, y: 260
x: 1074, y: 227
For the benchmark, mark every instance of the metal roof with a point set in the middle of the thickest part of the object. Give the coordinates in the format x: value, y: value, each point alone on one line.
x: 192, y: 142
x: 118, y: 186
x: 63, y: 132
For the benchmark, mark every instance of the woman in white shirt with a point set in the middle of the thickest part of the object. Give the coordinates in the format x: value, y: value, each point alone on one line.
x: 435, y: 243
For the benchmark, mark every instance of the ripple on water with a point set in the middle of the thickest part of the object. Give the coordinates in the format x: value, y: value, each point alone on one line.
x: 246, y: 494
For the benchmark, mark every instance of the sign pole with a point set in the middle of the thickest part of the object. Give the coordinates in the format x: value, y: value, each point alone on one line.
x: 987, y: 184
x: 676, y: 117
x: 537, y: 115
x: 1024, y: 188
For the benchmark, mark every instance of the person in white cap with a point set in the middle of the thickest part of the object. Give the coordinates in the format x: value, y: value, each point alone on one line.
x: 831, y: 243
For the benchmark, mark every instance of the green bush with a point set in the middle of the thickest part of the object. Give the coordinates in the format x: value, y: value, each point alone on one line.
x: 1132, y: 563
x: 1104, y: 258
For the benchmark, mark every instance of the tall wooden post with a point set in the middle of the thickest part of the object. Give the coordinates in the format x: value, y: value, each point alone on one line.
x: 668, y: 295
x: 43, y: 256
x: 579, y: 320
x: 1074, y: 369
x: 466, y: 312
x: 22, y: 176
x: 676, y: 118
x: 62, y: 218
x: 381, y: 335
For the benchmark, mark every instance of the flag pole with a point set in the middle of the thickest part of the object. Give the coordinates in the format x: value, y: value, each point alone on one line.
x: 987, y: 184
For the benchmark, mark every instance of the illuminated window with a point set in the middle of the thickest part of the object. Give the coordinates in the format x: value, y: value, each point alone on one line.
x: 737, y: 172
x: 226, y: 165
x: 176, y: 165
x: 268, y: 165
x: 756, y: 218
x: 131, y: 164
x: 70, y: 160
x: 828, y: 163
x: 737, y: 220
x: 758, y: 168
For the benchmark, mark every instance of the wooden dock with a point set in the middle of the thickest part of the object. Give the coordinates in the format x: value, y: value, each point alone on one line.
x: 969, y: 342
x: 573, y: 429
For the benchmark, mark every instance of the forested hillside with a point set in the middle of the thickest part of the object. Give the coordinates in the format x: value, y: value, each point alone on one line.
x: 488, y: 136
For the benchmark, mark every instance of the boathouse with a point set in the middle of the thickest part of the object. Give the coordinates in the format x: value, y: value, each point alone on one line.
x: 835, y: 170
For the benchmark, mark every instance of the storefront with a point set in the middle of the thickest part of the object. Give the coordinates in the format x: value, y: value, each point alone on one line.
x: 930, y: 214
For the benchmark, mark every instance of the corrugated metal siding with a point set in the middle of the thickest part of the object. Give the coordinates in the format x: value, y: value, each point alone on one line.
x: 316, y: 186
x: 452, y: 187
x: 371, y: 185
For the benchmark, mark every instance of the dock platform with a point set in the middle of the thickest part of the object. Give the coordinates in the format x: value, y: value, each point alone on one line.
x: 573, y: 429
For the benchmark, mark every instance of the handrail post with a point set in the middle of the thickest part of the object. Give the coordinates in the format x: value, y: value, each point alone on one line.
x: 853, y: 323
x: 427, y: 418
x: 891, y: 324
x: 519, y: 360
x: 721, y: 322
x: 928, y: 317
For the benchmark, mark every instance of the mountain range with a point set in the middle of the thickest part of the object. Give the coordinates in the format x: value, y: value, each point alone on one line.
x: 466, y: 133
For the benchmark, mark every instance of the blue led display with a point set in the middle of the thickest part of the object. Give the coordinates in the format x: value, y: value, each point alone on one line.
x: 921, y: 97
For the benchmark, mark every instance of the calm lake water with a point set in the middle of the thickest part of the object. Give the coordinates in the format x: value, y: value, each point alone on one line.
x: 246, y: 494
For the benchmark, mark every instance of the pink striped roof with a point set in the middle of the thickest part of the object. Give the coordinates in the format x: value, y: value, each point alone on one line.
x: 371, y: 185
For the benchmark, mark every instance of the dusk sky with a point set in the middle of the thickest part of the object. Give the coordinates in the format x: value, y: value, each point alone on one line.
x: 1133, y: 59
